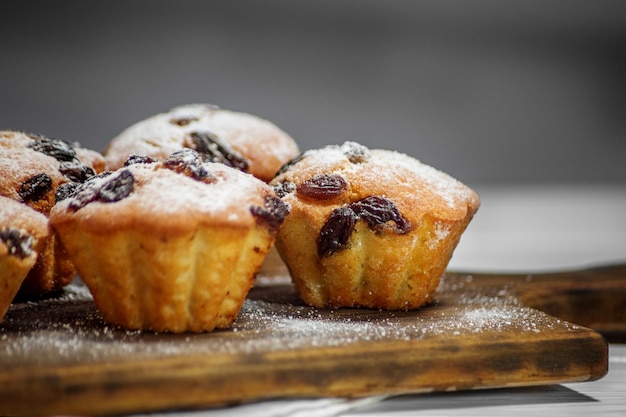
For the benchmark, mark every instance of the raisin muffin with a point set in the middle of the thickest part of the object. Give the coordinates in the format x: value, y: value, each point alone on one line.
x: 34, y: 169
x: 369, y: 228
x: 170, y: 245
x: 23, y: 232
x: 240, y: 140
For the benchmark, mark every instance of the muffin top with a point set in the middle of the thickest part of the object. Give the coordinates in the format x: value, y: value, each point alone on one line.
x: 351, y: 173
x: 33, y: 167
x: 22, y: 229
x: 240, y: 140
x: 175, y: 195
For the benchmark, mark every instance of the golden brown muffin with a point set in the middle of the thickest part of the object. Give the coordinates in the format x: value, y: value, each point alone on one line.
x: 34, y: 169
x: 169, y: 246
x: 23, y: 232
x: 240, y: 140
x: 369, y: 228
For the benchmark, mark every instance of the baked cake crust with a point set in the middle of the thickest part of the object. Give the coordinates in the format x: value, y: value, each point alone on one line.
x: 23, y: 232
x: 241, y: 140
x: 34, y: 168
x: 369, y: 228
x: 176, y: 246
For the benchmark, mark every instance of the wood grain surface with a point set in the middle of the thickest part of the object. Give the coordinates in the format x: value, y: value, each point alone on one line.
x: 57, y: 356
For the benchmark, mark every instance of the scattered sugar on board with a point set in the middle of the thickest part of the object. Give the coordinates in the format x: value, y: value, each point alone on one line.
x: 79, y: 334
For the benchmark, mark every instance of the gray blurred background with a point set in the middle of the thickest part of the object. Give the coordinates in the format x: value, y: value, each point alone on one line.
x: 489, y: 91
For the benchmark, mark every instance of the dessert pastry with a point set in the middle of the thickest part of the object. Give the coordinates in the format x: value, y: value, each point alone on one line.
x: 22, y: 235
x: 369, y: 228
x: 170, y: 245
x: 239, y: 140
x: 34, y: 170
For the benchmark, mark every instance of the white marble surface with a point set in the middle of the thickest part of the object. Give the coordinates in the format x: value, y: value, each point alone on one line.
x: 544, y: 227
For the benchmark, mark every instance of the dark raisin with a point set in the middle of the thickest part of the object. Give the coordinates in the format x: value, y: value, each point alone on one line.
x: 58, y: 149
x: 35, y: 188
x: 212, y: 149
x: 103, y: 174
x: 290, y: 163
x: 378, y: 212
x: 182, y: 158
x: 139, y: 159
x: 18, y: 242
x: 76, y: 172
x: 65, y: 191
x: 188, y: 162
x: 183, y: 121
x: 283, y: 188
x: 272, y: 213
x: 83, y: 194
x: 323, y: 187
x: 117, y: 187
x: 336, y: 231
x: 356, y: 153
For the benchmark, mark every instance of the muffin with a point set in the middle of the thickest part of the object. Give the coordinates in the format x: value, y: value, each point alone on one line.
x: 23, y: 232
x: 34, y: 169
x: 369, y: 228
x: 240, y: 140
x: 172, y: 245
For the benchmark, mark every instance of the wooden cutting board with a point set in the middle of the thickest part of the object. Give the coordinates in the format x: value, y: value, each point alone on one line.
x: 484, y: 331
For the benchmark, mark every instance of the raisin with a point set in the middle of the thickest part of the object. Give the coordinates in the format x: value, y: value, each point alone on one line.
x: 18, y: 242
x: 273, y: 212
x: 65, y: 191
x: 290, y: 163
x: 35, y: 188
x: 76, y: 172
x: 183, y: 121
x: 212, y: 149
x: 103, y: 174
x: 58, y: 149
x: 355, y: 152
x: 378, y: 212
x: 323, y: 187
x: 283, y: 188
x: 83, y: 195
x: 70, y: 165
x: 182, y: 158
x: 115, y: 188
x: 336, y: 231
x: 139, y: 159
x: 188, y: 162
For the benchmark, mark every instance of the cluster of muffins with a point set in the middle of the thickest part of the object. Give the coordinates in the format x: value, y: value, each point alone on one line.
x: 169, y: 226
x: 34, y: 168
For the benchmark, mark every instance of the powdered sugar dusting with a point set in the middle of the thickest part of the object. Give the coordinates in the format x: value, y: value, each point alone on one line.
x: 441, y: 232
x: 232, y: 192
x: 449, y: 189
x: 387, y: 169
x: 163, y: 192
x: 70, y: 329
x: 164, y: 133
x: 75, y: 292
x: 19, y: 163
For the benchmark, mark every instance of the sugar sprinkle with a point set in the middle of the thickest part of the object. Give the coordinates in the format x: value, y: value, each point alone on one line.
x: 33, y: 332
